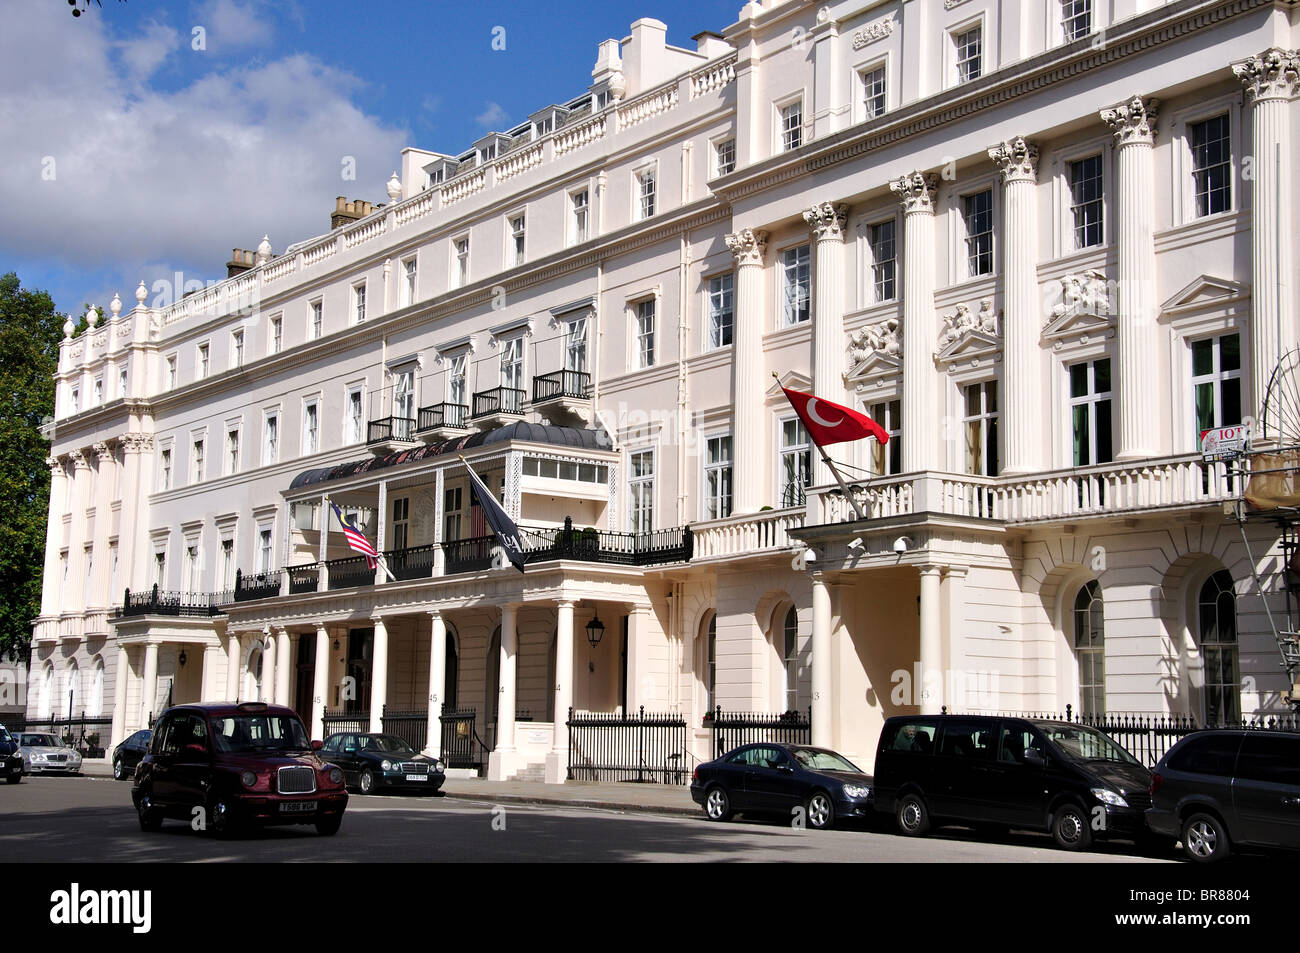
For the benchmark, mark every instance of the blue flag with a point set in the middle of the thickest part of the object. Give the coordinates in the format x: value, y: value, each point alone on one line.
x: 507, y: 532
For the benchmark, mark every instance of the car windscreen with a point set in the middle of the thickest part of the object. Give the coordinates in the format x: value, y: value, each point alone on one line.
x: 236, y: 733
x: 39, y: 741
x: 815, y: 760
x: 389, y: 745
x: 1081, y: 743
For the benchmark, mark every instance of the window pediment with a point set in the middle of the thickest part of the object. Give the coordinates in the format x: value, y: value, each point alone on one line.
x: 1206, y: 292
x: 1085, y: 312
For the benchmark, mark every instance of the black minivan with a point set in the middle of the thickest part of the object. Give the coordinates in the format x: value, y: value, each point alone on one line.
x: 1222, y: 789
x: 1005, y: 772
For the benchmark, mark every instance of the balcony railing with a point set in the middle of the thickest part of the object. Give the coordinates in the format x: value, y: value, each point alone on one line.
x: 390, y: 428
x: 414, y: 562
x: 743, y: 535
x: 303, y: 579
x: 575, y: 385
x: 468, y: 555
x: 261, y: 585
x: 441, y: 415
x: 499, y: 400
x: 600, y: 546
x: 159, y: 602
x: 349, y: 572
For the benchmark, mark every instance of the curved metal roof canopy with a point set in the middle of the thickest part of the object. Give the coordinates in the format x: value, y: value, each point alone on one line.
x: 520, y: 430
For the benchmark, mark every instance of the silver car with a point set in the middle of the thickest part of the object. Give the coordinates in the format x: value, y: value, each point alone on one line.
x: 43, y: 753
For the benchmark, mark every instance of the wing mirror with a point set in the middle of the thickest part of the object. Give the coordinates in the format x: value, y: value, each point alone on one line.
x: 317, y: 744
x: 1035, y: 757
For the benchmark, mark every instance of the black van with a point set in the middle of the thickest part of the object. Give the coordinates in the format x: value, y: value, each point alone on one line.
x: 1004, y: 772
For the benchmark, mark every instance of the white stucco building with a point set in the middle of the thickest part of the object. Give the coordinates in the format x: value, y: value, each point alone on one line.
x: 1044, y: 244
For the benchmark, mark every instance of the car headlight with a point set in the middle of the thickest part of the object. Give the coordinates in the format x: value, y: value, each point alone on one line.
x: 335, y: 776
x: 857, y: 790
x: 1109, y: 797
x: 386, y: 765
x: 439, y: 767
x: 248, y: 778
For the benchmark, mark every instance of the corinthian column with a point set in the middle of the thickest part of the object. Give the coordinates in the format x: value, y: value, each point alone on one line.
x: 747, y: 424
x: 920, y: 426
x: 52, y: 585
x: 100, y: 597
x: 827, y: 224
x: 1271, y: 81
x: 74, y: 597
x: 1134, y: 123
x: 1021, y: 402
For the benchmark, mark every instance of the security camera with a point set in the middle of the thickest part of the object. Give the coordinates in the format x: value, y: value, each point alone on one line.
x: 900, y: 545
x: 809, y: 556
x: 856, y: 544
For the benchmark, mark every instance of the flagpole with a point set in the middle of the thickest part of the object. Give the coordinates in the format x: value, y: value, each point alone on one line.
x: 829, y: 465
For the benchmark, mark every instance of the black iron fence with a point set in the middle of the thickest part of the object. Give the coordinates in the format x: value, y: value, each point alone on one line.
x: 441, y: 415
x: 156, y: 601
x: 414, y: 562
x: 350, y: 572
x: 557, y: 384
x: 622, y: 747
x: 461, y: 745
x: 257, y: 585
x: 303, y: 579
x: 89, y: 736
x: 409, y: 724
x: 346, y: 719
x: 390, y: 428
x: 499, y: 400
x: 731, y: 729
x: 1149, y: 737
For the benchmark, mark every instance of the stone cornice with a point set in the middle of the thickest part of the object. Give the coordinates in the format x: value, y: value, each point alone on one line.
x: 1060, y: 64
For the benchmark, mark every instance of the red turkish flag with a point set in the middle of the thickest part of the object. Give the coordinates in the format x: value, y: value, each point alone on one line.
x: 829, y: 422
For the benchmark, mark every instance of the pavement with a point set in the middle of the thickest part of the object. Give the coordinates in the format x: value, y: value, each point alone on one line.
x: 666, y: 799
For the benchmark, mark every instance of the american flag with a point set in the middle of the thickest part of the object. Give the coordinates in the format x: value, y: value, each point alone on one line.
x: 356, y: 540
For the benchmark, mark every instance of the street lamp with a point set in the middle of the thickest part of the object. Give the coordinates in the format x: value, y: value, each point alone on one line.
x: 595, y: 631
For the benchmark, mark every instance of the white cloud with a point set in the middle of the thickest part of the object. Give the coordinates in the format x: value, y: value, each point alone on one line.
x: 176, y: 176
x: 493, y: 116
x: 232, y: 26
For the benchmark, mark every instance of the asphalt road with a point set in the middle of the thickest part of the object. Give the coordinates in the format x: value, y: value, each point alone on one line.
x: 87, y: 820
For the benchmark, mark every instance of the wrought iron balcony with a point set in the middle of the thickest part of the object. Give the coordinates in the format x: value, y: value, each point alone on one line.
x: 499, y: 402
x: 559, y: 385
x: 414, y: 562
x: 350, y: 572
x: 260, y: 585
x: 442, y: 416
x: 158, y: 602
x: 601, y: 546
x: 303, y: 578
x: 387, y: 429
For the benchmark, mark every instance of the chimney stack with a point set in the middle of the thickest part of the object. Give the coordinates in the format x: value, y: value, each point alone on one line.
x: 346, y: 211
x: 241, y: 260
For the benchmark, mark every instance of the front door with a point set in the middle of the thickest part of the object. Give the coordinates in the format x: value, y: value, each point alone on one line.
x: 302, y: 699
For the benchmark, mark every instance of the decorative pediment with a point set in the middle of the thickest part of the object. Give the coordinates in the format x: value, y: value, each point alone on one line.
x: 875, y: 352
x: 1205, y: 293
x: 968, y: 337
x: 1085, y: 309
x: 792, y: 380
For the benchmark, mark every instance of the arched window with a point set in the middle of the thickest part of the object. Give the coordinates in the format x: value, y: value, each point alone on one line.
x: 45, y: 707
x: 253, y: 676
x: 711, y: 663
x: 492, y: 683
x: 1217, y: 628
x: 95, y: 697
x: 790, y: 659
x: 1090, y: 649
x: 72, y: 689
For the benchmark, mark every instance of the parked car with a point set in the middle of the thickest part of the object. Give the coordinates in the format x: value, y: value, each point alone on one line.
x: 11, y: 761
x: 1220, y: 790
x: 243, y: 764
x: 373, y: 761
x: 129, y: 753
x: 43, y: 753
x: 1002, y: 772
x: 776, y: 778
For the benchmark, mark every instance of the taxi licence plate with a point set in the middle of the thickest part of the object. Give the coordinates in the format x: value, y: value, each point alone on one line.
x: 298, y: 807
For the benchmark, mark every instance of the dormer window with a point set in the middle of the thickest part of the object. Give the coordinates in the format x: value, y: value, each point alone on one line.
x: 487, y: 153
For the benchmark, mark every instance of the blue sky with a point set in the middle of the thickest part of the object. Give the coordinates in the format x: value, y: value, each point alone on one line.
x: 128, y: 154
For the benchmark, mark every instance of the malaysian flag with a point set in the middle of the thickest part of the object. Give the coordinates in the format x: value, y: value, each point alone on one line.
x: 356, y: 540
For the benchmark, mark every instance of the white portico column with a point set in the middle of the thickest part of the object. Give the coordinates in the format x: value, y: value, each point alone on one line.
x: 1271, y: 81
x: 268, y: 667
x: 208, y: 684
x: 379, y: 675
x: 149, y: 684
x: 1020, y: 406
x: 821, y: 661
x: 118, y: 730
x: 320, y: 683
x: 557, y: 760
x: 748, y: 420
x: 929, y: 693
x: 100, y: 597
x: 827, y: 223
x: 52, y: 585
x: 920, y: 387
x: 74, y: 597
x: 437, y: 680
x: 135, y: 449
x: 284, y: 666
x: 1134, y: 123
x: 233, y: 664
x: 501, y: 762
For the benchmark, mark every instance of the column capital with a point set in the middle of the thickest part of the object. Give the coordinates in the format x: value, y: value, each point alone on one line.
x: 435, y: 614
x: 1273, y: 74
x: 137, y: 442
x: 1133, y: 121
x: 827, y: 220
x: 103, y: 451
x: 56, y: 466
x: 79, y: 460
x: 747, y: 246
x: 930, y: 569
x: 1016, y: 159
x: 565, y: 603
x: 916, y: 191
x: 376, y: 618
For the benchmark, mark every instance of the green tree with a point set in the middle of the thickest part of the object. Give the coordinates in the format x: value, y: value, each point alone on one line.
x: 30, y: 331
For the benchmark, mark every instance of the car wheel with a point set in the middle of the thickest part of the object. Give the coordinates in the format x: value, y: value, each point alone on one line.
x: 820, y: 810
x: 329, y: 825
x: 14, y: 778
x: 367, y: 781
x: 1205, y: 839
x: 1070, y: 827
x: 913, y: 818
x: 716, y: 804
x: 150, y: 819
x: 220, y: 820
x: 119, y: 770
